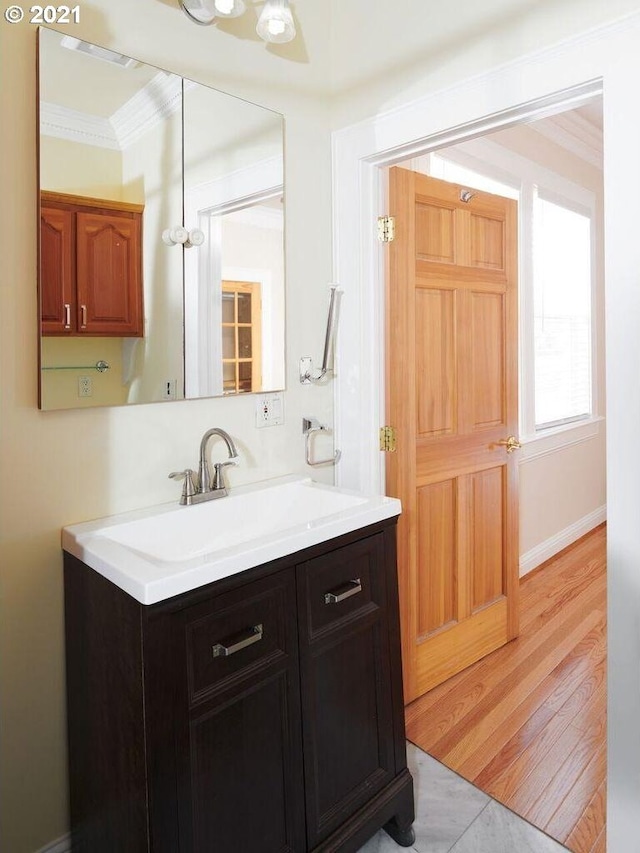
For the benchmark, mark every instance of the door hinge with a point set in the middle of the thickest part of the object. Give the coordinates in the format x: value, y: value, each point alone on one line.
x: 388, y: 439
x: 386, y: 229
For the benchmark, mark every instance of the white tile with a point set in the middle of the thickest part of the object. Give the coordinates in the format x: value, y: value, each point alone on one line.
x: 498, y: 830
x: 446, y: 804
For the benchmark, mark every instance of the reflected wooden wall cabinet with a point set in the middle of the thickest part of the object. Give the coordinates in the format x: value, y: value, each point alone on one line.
x: 90, y: 267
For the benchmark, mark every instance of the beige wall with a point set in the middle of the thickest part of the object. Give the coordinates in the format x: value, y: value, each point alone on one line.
x: 66, y: 466
x: 73, y: 167
x: 59, y: 388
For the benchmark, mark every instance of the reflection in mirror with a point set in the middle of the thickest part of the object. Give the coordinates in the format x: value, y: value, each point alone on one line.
x: 233, y: 186
x: 114, y: 287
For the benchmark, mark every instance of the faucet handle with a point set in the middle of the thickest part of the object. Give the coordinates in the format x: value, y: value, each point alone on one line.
x: 189, y: 488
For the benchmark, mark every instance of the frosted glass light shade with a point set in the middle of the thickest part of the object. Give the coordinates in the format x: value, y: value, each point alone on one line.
x: 230, y: 8
x: 200, y: 11
x: 275, y: 23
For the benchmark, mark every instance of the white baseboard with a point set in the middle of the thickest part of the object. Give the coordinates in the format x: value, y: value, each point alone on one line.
x: 547, y: 549
x: 60, y: 845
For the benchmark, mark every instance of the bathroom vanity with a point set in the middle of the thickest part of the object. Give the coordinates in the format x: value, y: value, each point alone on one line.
x: 259, y: 712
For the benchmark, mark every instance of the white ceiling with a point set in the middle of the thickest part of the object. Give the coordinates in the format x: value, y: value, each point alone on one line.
x: 341, y: 44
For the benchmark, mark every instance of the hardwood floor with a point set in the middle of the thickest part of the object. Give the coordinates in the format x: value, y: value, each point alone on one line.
x: 527, y: 724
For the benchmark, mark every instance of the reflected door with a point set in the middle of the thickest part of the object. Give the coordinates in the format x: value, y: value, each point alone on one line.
x: 241, y: 337
x: 452, y: 397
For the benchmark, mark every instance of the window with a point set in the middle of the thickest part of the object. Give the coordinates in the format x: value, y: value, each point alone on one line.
x: 561, y: 314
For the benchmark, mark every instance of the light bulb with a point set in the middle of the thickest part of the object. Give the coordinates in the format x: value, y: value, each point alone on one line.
x: 275, y: 23
x: 230, y: 8
x: 275, y: 27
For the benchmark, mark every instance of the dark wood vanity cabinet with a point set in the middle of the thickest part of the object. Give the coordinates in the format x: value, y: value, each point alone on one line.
x: 260, y: 714
x: 90, y: 266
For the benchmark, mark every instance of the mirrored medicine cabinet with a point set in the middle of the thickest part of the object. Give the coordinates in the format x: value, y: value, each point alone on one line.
x: 162, y: 272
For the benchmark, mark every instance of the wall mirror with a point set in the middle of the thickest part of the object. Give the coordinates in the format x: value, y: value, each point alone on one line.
x: 162, y: 271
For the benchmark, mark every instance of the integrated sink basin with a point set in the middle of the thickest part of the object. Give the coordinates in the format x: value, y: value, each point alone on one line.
x: 162, y: 551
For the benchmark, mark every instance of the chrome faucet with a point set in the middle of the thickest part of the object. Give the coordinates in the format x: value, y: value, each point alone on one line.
x: 203, y: 487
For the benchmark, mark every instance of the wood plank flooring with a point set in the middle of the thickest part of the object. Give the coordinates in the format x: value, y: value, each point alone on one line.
x: 527, y: 724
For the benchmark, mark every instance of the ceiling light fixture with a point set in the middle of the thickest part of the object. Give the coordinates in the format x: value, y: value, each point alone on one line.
x: 199, y: 11
x: 230, y: 8
x: 275, y: 24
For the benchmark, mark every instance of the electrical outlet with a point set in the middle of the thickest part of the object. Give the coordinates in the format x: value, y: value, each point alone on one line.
x: 85, y: 386
x: 169, y: 389
x: 269, y: 410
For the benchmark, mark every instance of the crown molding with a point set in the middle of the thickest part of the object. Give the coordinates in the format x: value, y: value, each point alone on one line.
x: 74, y: 126
x: 160, y: 98
x: 575, y: 134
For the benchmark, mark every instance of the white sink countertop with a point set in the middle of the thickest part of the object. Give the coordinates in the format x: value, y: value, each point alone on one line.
x: 162, y: 551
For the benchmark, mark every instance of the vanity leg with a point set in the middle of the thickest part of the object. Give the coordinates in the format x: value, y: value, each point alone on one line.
x: 403, y: 837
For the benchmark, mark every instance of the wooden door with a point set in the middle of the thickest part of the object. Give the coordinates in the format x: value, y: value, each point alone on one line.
x: 241, y: 337
x: 345, y: 678
x: 240, y: 746
x: 452, y: 398
x: 57, y: 271
x: 109, y: 278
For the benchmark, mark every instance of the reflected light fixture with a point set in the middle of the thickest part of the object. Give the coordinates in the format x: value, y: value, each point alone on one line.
x: 275, y: 23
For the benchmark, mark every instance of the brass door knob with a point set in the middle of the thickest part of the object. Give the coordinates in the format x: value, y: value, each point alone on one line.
x: 510, y: 443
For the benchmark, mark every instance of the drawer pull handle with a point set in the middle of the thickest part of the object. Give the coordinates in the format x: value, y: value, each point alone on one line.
x: 345, y: 591
x: 237, y: 642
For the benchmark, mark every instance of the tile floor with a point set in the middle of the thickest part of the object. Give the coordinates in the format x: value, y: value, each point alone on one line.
x: 452, y: 816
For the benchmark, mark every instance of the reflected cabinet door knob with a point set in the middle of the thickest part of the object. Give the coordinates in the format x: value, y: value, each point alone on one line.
x: 196, y: 238
x: 174, y: 236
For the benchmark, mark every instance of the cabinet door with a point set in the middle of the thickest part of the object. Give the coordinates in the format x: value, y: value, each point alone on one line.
x: 56, y: 271
x: 109, y: 280
x: 242, y: 741
x: 346, y: 683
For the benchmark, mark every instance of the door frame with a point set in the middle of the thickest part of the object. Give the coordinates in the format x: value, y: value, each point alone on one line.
x: 364, y: 467
x: 600, y: 61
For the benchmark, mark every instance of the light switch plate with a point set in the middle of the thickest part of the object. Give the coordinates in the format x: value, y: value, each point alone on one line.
x: 269, y: 410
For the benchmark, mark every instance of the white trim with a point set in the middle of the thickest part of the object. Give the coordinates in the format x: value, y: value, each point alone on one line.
x: 74, y: 126
x: 161, y: 97
x: 555, y: 440
x: 60, y: 845
x: 552, y: 546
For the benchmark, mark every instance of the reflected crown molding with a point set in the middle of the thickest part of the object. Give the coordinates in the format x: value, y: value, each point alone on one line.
x: 160, y: 98
x: 65, y: 123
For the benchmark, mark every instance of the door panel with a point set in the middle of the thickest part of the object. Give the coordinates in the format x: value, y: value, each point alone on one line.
x: 435, y: 361
x: 452, y: 397
x: 437, y: 544
x: 487, y: 524
x: 486, y: 367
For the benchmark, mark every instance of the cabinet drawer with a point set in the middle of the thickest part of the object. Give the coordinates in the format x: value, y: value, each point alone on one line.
x: 239, y: 633
x: 342, y: 585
